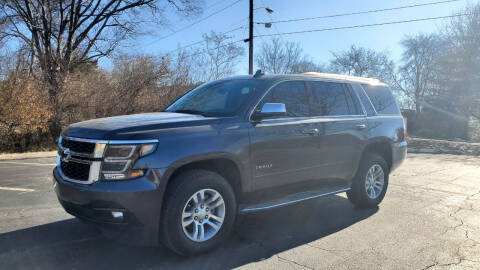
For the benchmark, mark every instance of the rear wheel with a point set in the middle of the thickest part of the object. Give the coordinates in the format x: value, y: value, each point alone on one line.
x: 198, y: 213
x: 370, y: 184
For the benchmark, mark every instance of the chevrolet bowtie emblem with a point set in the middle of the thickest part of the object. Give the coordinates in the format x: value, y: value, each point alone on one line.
x: 68, y: 155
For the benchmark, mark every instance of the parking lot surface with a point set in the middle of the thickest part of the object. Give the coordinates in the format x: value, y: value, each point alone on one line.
x: 430, y: 219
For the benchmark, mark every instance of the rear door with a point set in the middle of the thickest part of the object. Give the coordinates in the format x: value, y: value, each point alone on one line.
x: 342, y: 129
x: 283, y: 148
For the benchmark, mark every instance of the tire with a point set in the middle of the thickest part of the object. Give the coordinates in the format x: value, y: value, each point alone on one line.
x: 361, y: 194
x: 180, y: 200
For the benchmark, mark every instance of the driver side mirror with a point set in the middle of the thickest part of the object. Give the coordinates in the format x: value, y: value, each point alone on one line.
x: 270, y: 110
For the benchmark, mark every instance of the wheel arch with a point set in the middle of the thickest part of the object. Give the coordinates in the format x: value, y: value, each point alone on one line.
x: 224, y: 164
x: 381, y: 147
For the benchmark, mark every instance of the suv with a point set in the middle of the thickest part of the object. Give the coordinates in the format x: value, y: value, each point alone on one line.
x: 231, y: 146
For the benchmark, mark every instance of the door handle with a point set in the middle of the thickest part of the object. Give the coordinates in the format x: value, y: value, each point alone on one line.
x: 312, y: 132
x: 360, y: 126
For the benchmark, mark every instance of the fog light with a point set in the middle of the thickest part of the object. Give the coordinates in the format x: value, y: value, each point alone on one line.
x: 117, y: 215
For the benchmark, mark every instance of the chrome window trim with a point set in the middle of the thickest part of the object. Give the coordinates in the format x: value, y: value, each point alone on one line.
x: 299, y: 120
x: 310, y: 117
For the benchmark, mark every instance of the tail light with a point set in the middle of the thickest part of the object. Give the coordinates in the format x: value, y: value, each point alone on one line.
x: 404, y: 128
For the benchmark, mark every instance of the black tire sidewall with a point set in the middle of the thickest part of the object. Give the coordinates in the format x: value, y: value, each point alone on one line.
x: 358, y: 194
x: 182, y: 189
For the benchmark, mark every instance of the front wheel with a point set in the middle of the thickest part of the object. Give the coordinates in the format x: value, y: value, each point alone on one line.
x: 370, y: 184
x: 199, y: 212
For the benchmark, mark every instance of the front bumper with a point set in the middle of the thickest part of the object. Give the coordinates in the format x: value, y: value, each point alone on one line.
x: 139, y: 200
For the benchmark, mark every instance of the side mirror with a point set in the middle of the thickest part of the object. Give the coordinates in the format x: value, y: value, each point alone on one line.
x: 270, y: 110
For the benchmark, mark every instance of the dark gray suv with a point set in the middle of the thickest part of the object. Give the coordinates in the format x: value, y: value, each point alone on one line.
x: 231, y: 146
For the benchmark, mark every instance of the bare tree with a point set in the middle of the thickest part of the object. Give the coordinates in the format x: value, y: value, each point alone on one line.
x: 217, y: 58
x: 460, y: 65
x: 363, y: 62
x: 180, y: 78
x: 283, y: 57
x: 417, y: 76
x: 64, y: 34
x: 306, y: 65
x: 132, y: 75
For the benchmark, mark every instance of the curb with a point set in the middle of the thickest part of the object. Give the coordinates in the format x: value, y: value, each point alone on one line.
x: 12, y: 156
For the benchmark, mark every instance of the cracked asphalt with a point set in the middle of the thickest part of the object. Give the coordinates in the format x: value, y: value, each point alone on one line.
x: 430, y: 219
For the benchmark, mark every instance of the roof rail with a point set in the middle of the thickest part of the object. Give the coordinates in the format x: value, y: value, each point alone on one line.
x: 344, y: 77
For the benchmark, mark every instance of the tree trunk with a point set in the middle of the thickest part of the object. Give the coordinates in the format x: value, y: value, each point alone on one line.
x: 54, y: 80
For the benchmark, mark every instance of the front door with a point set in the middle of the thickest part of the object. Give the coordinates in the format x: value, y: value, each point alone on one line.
x: 283, y: 149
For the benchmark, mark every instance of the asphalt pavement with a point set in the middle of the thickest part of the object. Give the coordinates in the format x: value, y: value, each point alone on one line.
x: 429, y: 219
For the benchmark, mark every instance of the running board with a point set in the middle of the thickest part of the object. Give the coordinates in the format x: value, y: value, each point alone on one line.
x: 289, y: 199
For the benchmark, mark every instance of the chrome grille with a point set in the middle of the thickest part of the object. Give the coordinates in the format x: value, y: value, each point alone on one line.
x: 79, y: 146
x: 79, y: 160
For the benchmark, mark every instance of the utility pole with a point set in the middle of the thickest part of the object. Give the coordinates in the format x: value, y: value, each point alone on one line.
x: 250, y: 39
x: 250, y: 34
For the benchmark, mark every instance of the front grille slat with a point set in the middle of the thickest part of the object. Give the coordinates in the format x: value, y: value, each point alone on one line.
x: 76, y: 171
x: 78, y: 146
x: 75, y: 159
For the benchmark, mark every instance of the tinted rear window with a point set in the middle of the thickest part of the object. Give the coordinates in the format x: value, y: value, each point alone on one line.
x: 330, y: 99
x: 382, y: 99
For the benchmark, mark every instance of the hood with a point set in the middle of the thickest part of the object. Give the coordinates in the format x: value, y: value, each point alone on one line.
x: 134, y: 127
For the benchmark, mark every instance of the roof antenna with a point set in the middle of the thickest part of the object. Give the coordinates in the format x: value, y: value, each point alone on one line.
x: 259, y: 74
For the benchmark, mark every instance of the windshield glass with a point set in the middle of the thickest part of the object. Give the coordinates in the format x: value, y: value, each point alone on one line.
x: 219, y: 98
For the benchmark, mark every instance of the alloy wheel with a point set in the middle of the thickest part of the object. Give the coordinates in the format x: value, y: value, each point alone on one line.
x: 374, y: 181
x: 203, y: 215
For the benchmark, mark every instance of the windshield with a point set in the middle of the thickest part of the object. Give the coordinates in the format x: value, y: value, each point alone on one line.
x: 219, y: 98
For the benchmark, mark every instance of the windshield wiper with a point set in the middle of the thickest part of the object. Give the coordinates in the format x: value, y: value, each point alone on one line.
x: 191, y: 112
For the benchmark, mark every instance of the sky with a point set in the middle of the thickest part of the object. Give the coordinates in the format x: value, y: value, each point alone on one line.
x: 317, y: 45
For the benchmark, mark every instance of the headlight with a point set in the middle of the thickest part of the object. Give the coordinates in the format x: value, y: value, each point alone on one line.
x: 119, y: 159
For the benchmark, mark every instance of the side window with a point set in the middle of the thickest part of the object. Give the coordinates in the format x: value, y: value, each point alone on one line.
x: 293, y: 95
x: 382, y: 99
x: 364, y: 99
x: 353, y: 103
x: 328, y: 99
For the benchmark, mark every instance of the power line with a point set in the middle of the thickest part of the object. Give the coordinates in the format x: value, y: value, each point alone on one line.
x: 213, y: 4
x: 198, y: 21
x: 360, y: 12
x: 212, y: 49
x: 239, y: 22
x: 258, y: 33
x: 201, y: 41
x: 365, y: 25
x: 316, y: 30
